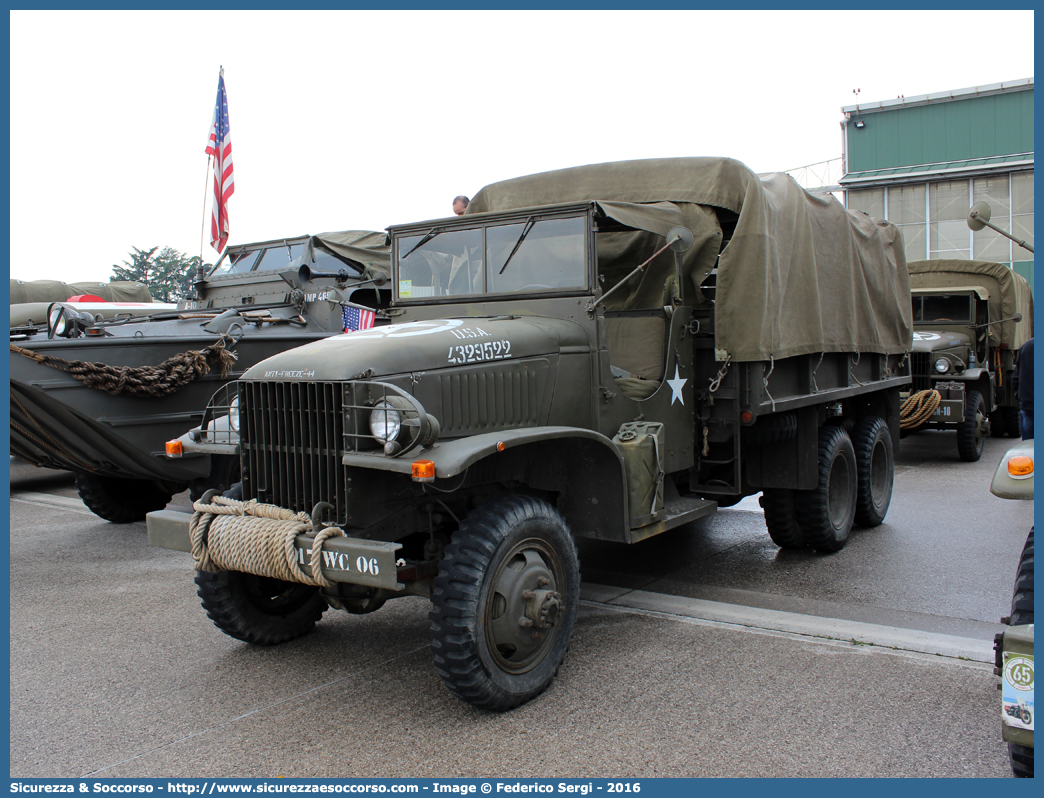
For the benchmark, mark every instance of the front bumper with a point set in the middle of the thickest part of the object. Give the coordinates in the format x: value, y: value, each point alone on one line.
x: 952, y: 404
x: 356, y: 561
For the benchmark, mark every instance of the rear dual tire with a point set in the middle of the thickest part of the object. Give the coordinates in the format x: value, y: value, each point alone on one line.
x: 875, y: 466
x: 781, y: 518
x: 855, y: 488
x: 826, y: 513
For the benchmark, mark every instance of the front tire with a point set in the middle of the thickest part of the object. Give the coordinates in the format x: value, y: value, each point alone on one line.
x: 120, y: 500
x: 505, y: 602
x: 259, y: 609
x: 970, y: 437
x: 826, y: 513
x: 875, y: 470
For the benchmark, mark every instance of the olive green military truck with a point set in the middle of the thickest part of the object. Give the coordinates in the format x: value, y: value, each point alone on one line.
x: 970, y: 318
x: 608, y: 352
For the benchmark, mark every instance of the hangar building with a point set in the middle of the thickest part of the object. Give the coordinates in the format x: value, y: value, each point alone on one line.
x: 922, y: 162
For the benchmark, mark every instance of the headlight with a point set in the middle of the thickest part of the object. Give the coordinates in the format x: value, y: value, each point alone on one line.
x: 385, y: 422
x: 56, y: 320
x: 64, y: 322
x: 233, y: 414
x: 942, y: 365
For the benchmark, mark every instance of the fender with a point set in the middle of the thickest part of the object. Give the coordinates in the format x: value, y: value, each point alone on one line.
x: 595, y: 504
x: 454, y: 456
x: 975, y: 374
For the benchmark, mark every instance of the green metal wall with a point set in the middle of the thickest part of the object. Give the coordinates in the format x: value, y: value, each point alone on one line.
x: 958, y: 130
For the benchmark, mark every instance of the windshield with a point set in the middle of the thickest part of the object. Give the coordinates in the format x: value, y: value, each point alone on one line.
x: 531, y: 255
x: 942, y: 307
x: 276, y: 256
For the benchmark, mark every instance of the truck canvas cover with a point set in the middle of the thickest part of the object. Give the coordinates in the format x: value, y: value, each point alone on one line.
x: 369, y: 249
x: 56, y: 291
x: 800, y: 273
x: 1009, y: 293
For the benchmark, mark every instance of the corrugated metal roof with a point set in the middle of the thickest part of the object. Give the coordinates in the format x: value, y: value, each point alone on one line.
x: 942, y: 96
x: 996, y: 163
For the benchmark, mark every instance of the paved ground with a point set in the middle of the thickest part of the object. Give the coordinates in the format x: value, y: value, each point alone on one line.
x: 705, y: 652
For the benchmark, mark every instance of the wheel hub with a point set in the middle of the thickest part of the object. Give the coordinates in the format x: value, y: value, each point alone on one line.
x: 542, y: 607
x: 983, y: 425
x: 525, y: 607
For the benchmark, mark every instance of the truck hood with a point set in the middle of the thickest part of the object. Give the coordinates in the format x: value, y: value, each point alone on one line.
x: 422, y: 346
x: 935, y: 340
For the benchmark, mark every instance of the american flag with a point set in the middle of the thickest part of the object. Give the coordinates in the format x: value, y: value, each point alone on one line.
x: 220, y: 146
x: 356, y: 318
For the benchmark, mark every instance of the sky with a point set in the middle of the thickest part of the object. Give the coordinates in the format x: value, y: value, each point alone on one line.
x: 356, y: 120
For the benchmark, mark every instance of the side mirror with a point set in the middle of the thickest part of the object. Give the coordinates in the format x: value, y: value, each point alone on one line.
x: 681, y: 238
x: 979, y: 215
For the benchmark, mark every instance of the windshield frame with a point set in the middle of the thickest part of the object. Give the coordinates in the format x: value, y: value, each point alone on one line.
x: 484, y: 221
x: 917, y: 306
x: 254, y: 248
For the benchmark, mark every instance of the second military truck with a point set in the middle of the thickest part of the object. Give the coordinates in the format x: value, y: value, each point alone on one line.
x: 970, y: 318
x: 608, y: 351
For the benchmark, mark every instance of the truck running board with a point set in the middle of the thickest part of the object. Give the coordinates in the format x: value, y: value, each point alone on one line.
x: 675, y: 513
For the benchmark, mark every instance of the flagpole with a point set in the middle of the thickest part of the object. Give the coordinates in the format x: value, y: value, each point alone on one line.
x: 203, y: 226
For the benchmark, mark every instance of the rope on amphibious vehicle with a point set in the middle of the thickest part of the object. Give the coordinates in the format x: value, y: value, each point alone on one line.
x: 171, y: 375
x: 918, y: 408
x: 253, y: 538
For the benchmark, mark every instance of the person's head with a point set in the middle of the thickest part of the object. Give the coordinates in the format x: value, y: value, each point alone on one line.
x: 460, y: 204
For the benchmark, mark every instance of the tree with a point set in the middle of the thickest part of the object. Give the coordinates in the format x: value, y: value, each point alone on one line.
x: 168, y: 275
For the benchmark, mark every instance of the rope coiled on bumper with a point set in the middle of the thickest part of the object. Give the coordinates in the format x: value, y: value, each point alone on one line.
x: 918, y: 408
x: 253, y: 538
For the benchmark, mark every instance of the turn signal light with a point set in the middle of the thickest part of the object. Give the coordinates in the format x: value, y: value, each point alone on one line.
x: 174, y: 448
x: 1020, y: 466
x: 423, y: 471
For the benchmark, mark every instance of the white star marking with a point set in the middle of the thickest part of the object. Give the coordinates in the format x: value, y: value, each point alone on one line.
x: 676, y: 386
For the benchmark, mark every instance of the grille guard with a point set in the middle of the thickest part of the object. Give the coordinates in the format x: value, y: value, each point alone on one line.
x: 418, y: 428
x: 295, y: 436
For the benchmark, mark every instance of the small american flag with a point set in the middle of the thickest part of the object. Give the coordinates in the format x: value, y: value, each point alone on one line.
x: 356, y: 318
x: 220, y: 146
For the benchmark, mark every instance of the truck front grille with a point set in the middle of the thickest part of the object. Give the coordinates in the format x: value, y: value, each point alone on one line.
x: 291, y: 441
x: 920, y: 363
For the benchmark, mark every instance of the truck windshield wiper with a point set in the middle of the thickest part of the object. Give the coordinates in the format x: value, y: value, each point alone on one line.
x: 521, y: 238
x: 427, y: 237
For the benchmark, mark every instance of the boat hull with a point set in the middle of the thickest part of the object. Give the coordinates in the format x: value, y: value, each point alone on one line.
x: 58, y: 422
